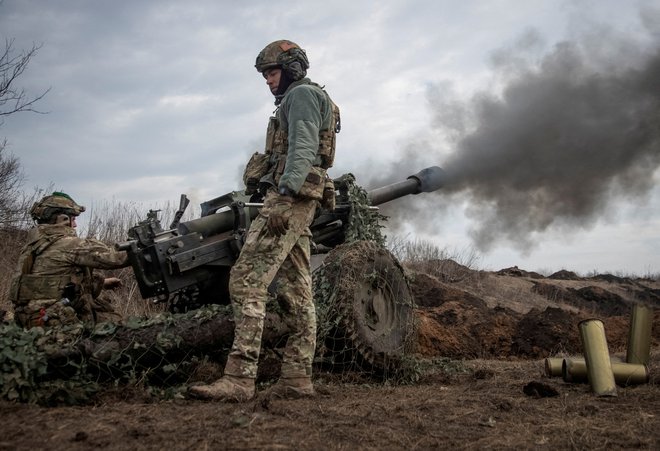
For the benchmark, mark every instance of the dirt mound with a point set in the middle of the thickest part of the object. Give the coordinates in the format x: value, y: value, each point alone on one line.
x: 612, y: 279
x: 431, y: 292
x: 514, y: 271
x: 459, y: 330
x: 446, y: 270
x: 603, y: 302
x: 459, y: 324
x: 564, y: 275
x: 593, y: 299
x: 541, y: 334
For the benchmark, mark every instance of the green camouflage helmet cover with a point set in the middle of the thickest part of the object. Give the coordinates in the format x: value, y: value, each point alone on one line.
x: 286, y: 55
x: 55, y: 204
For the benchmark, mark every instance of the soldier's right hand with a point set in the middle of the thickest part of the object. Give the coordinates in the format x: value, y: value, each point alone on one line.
x: 278, y: 215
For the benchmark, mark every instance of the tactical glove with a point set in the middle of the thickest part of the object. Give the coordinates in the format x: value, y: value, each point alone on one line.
x: 279, y: 215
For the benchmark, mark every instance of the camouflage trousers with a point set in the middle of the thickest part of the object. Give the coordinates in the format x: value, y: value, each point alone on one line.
x: 285, y: 259
x: 46, y: 313
x: 59, y: 320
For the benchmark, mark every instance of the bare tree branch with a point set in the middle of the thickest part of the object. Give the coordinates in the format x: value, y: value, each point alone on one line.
x: 14, y: 203
x: 12, y: 66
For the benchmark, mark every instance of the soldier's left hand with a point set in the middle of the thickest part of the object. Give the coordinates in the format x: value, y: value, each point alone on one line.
x: 111, y: 283
x: 279, y: 214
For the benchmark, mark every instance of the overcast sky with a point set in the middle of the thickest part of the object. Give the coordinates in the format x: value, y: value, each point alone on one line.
x: 151, y: 99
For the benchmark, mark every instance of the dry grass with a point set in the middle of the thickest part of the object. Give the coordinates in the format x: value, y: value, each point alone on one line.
x: 427, y: 257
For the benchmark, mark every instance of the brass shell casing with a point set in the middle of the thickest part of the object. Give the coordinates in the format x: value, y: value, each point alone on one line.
x: 597, y: 357
x: 553, y: 366
x: 639, y: 335
x: 575, y: 370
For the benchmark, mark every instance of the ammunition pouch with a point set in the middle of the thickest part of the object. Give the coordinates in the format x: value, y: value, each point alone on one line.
x: 328, y: 201
x: 314, y: 185
x: 28, y: 287
x: 327, y: 140
x: 14, y: 287
x: 256, y: 168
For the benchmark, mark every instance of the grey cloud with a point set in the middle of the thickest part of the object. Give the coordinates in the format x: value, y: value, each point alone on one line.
x: 567, y: 137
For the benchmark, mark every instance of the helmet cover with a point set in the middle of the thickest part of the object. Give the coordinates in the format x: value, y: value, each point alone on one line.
x: 286, y: 55
x: 55, y: 204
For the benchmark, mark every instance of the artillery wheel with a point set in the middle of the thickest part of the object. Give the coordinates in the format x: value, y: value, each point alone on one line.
x: 365, y: 306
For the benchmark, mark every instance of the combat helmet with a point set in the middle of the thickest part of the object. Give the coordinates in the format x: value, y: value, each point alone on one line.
x: 286, y: 55
x: 55, y: 204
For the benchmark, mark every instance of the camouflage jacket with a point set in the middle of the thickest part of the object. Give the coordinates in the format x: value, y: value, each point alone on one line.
x: 54, y: 257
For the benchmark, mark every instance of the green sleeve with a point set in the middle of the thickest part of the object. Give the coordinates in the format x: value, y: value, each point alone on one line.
x: 302, y: 109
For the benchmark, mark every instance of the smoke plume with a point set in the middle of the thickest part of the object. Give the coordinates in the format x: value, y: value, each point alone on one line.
x: 560, y: 140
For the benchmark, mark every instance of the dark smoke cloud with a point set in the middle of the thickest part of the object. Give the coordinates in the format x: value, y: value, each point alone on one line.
x: 566, y: 136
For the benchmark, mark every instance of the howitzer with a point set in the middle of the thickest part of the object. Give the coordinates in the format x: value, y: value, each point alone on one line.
x: 363, y: 301
x: 188, y: 264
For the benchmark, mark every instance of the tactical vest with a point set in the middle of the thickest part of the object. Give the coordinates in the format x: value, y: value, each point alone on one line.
x: 277, y: 146
x: 26, y: 286
x: 277, y: 143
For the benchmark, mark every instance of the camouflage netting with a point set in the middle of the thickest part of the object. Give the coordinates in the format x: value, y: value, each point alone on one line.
x: 365, y: 310
x: 364, y: 221
x: 31, y: 369
x: 364, y: 305
x: 61, y: 365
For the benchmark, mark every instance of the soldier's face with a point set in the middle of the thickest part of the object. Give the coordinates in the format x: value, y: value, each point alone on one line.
x: 272, y: 77
x: 66, y: 220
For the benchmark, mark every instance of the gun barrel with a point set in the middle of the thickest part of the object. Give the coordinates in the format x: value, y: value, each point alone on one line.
x: 209, y: 225
x: 425, y: 181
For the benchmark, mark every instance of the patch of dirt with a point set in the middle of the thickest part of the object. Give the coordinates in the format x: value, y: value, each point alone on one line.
x: 478, y: 404
x: 458, y: 330
x: 481, y: 343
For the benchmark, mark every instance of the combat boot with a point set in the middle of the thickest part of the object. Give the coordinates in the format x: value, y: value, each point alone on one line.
x: 227, y: 388
x: 292, y: 388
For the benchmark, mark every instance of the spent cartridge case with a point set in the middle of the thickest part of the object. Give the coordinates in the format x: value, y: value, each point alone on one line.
x: 553, y: 366
x: 639, y: 335
x: 597, y: 357
x: 575, y: 370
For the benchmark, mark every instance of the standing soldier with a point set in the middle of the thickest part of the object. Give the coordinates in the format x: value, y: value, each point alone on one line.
x: 300, y: 147
x: 55, y: 284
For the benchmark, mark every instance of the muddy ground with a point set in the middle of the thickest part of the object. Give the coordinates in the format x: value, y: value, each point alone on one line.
x: 482, y: 340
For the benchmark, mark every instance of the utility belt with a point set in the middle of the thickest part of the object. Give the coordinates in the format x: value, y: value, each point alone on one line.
x: 268, y: 169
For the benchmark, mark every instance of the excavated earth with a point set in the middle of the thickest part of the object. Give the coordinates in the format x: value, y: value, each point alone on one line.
x: 482, y: 340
